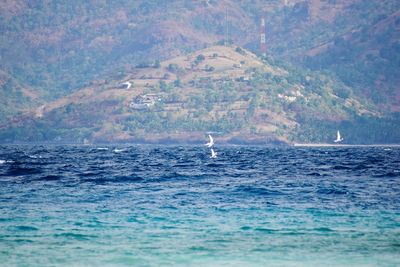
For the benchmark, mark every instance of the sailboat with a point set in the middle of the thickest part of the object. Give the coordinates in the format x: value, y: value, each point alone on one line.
x: 338, y: 138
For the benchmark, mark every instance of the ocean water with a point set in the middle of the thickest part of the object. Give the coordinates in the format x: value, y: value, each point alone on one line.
x: 174, y: 206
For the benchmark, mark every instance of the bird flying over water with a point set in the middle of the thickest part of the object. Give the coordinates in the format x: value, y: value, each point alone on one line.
x: 211, y: 142
x: 338, y: 138
x: 213, y: 154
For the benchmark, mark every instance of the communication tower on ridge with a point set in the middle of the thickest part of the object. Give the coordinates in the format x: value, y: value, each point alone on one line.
x: 263, y: 43
x: 226, y: 38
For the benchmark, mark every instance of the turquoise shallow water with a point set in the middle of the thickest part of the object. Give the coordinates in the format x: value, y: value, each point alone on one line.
x: 173, y: 206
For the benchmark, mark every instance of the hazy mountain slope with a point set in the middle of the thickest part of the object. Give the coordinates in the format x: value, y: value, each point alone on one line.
x: 59, y: 46
x: 227, y: 90
x: 15, y: 97
x: 55, y: 48
x: 359, y: 41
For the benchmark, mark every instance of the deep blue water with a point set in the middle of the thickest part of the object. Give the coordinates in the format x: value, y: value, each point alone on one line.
x: 174, y: 206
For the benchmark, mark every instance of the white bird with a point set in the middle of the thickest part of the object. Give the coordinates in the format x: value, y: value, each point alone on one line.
x: 213, y: 154
x: 128, y: 84
x: 338, y: 138
x: 211, y: 142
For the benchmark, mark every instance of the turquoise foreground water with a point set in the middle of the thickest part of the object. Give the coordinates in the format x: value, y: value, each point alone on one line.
x: 174, y: 206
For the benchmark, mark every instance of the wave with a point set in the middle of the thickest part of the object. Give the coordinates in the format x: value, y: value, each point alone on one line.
x: 332, y: 191
x: 19, y: 171
x: 76, y: 236
x: 49, y: 177
x: 25, y: 228
x: 259, y: 191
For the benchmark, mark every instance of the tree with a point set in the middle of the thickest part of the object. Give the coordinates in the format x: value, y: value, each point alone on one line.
x: 173, y: 67
x: 252, y: 106
x: 178, y: 82
x: 200, y: 57
x: 240, y: 50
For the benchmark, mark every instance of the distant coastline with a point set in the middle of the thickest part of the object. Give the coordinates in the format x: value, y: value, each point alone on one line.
x: 196, y: 142
x: 343, y: 145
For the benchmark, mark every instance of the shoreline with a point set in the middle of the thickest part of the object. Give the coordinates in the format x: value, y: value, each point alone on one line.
x: 266, y: 144
x: 343, y: 145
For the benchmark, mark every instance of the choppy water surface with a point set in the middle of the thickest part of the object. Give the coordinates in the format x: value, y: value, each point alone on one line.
x: 174, y: 206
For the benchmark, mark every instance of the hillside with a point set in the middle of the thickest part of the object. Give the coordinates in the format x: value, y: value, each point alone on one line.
x: 66, y: 58
x: 225, y: 90
x: 357, y: 41
x: 15, y: 97
x: 58, y: 47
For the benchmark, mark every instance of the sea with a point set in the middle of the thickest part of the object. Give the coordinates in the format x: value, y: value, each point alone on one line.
x: 150, y: 205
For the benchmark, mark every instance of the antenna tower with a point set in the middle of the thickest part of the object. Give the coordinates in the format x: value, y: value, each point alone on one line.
x: 263, y: 42
x: 226, y: 27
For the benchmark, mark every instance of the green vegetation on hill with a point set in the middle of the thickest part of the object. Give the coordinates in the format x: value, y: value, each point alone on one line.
x: 344, y: 68
x: 14, y: 98
x: 60, y: 46
x: 358, y: 41
x: 359, y: 130
x: 220, y: 89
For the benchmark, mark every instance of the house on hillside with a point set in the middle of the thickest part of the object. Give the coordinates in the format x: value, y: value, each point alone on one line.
x: 143, y: 102
x: 39, y: 111
x: 243, y: 79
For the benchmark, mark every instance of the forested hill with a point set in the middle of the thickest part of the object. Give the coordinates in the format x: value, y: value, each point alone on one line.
x: 52, y: 49
x: 226, y: 90
x: 59, y: 46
